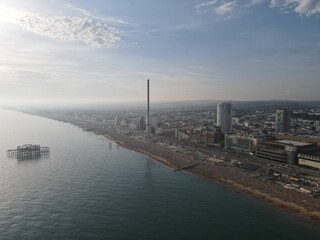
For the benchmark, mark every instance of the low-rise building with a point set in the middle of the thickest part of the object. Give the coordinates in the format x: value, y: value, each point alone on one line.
x: 309, y: 160
x: 206, y: 136
x: 181, y: 134
x: 243, y: 142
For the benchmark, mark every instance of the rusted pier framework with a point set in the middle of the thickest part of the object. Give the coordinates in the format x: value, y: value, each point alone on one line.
x: 28, y: 151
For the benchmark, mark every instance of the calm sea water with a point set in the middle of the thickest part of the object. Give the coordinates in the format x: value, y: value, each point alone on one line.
x: 85, y: 190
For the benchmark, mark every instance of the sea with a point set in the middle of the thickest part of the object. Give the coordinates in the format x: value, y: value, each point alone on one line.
x: 91, y: 188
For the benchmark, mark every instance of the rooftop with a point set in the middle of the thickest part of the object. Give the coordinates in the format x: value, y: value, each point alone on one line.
x: 294, y: 143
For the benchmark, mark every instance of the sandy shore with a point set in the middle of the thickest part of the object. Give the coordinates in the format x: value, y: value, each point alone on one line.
x: 154, y: 157
x: 303, y: 205
x: 313, y: 215
x: 238, y: 179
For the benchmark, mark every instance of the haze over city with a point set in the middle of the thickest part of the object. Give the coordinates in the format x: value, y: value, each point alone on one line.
x: 103, y: 51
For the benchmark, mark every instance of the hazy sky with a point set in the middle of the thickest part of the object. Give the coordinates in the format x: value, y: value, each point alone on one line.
x: 190, y: 49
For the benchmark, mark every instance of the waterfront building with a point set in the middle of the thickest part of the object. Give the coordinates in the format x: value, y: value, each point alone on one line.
x: 224, y: 117
x: 309, y: 160
x: 301, y: 138
x: 243, y: 142
x: 283, y: 121
x: 284, y: 151
x: 206, y: 136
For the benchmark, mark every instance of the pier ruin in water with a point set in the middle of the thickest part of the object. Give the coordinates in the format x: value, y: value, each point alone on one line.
x: 28, y: 151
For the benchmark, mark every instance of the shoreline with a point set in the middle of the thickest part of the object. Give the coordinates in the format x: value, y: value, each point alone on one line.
x: 269, y: 193
x: 290, y: 207
x: 266, y: 198
x: 150, y: 155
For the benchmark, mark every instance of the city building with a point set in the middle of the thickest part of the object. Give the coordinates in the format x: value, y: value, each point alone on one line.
x: 181, y: 134
x: 301, y: 138
x: 154, y: 122
x: 284, y: 151
x: 309, y: 160
x: 165, y: 132
x: 206, y: 136
x: 243, y: 142
x: 224, y: 117
x: 141, y: 124
x: 116, y: 121
x: 283, y: 121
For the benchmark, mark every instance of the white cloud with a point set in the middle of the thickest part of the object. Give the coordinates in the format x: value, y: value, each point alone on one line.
x: 206, y: 4
x: 218, y: 6
x: 302, y: 7
x: 110, y: 20
x: 225, y: 8
x: 89, y: 31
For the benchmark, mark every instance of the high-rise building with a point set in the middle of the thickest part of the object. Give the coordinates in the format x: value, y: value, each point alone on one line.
x: 224, y: 117
x: 141, y: 124
x: 116, y: 121
x: 283, y: 121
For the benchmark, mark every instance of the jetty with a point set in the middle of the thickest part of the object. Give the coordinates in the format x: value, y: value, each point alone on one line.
x: 186, y: 167
x: 28, y: 151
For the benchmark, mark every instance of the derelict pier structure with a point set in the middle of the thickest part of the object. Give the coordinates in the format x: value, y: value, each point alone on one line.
x: 28, y: 151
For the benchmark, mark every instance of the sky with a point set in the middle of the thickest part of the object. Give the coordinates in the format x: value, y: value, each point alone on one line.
x: 57, y: 51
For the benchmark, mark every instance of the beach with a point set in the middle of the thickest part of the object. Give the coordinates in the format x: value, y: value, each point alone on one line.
x: 235, y: 178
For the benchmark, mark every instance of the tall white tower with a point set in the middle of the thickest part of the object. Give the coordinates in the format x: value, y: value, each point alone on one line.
x: 224, y: 117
